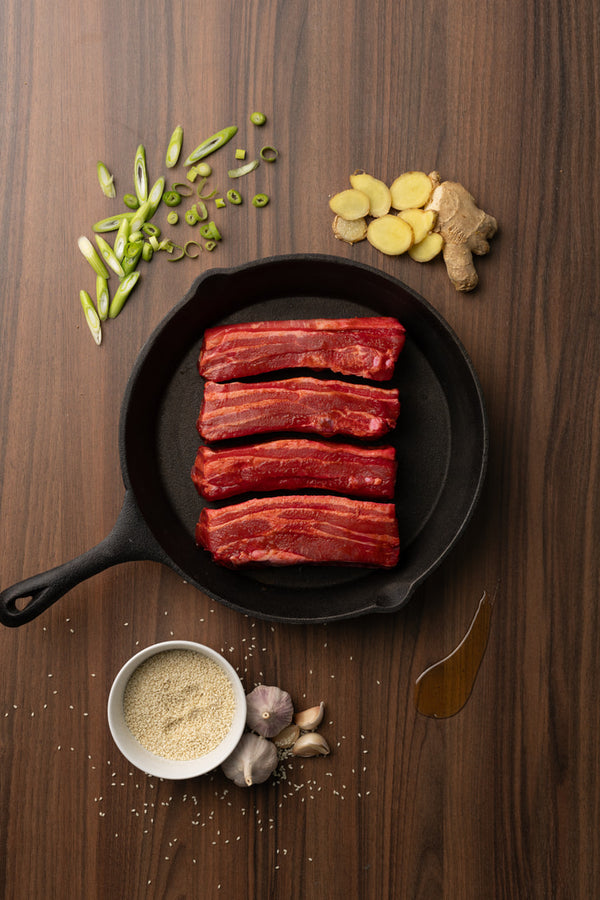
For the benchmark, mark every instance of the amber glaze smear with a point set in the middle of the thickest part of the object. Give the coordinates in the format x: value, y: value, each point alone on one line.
x: 443, y: 689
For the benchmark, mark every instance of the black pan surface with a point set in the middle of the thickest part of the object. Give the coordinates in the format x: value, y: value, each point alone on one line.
x: 441, y: 438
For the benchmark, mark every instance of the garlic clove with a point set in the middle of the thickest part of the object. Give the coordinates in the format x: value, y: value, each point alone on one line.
x: 252, y: 762
x: 287, y: 737
x: 309, y: 719
x: 311, y: 744
x: 269, y: 709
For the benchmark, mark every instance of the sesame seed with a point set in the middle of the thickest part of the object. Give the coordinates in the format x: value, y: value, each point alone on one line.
x: 179, y: 704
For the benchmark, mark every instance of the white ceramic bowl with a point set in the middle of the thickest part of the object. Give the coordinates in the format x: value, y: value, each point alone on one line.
x: 159, y: 766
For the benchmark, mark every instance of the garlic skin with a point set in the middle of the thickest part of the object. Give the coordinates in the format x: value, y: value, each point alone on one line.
x: 309, y: 719
x: 252, y: 762
x: 311, y: 744
x: 269, y: 710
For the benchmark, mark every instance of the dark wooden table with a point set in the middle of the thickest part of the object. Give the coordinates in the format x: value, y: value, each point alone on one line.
x: 500, y: 800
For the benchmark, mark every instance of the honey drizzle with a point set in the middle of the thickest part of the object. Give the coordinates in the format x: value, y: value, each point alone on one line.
x: 443, y: 689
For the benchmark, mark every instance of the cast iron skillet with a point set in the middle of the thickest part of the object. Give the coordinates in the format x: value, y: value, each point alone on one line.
x: 441, y: 442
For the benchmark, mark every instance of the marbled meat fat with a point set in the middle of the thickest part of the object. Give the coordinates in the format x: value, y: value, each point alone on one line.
x: 366, y: 347
x: 297, y: 529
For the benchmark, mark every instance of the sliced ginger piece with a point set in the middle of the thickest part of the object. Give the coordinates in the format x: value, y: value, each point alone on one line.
x: 350, y: 231
x: 427, y: 248
x: 390, y: 235
x: 420, y: 220
x: 380, y: 198
x: 350, y: 204
x: 411, y: 190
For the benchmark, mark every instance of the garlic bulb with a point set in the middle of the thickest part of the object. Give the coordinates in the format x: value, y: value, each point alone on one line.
x: 252, y: 761
x: 269, y: 710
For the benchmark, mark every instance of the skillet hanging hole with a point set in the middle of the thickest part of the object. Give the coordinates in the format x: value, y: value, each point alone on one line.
x: 20, y: 603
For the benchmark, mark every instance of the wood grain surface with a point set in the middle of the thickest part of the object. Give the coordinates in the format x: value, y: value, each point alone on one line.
x: 501, y: 800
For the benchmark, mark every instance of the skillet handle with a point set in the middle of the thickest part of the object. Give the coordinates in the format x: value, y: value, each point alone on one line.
x: 129, y: 540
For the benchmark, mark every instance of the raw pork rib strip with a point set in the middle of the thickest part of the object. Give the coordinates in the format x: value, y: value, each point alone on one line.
x: 366, y: 347
x: 327, y: 407
x: 295, y: 465
x: 285, y: 531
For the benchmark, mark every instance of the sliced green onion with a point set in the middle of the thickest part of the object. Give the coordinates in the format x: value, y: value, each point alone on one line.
x: 192, y: 244
x: 122, y: 293
x: 166, y: 245
x: 192, y: 174
x: 191, y: 215
x: 153, y: 242
x: 182, y: 188
x: 220, y: 203
x: 240, y: 154
x: 121, y: 239
x: 174, y: 148
x: 149, y: 228
x: 210, y: 196
x: 147, y: 251
x: 91, y: 316
x: 173, y: 218
x: 136, y: 236
x: 210, y: 231
x: 131, y: 201
x: 149, y: 206
x: 258, y: 118
x: 211, y: 144
x: 102, y: 297
x: 176, y: 258
x: 243, y: 170
x: 205, y: 196
x: 269, y: 154
x: 210, y: 245
x: 133, y: 251
x: 196, y: 213
x: 112, y: 223
x: 109, y: 255
x: 171, y: 198
x: 88, y: 250
x: 234, y: 197
x: 140, y: 174
x: 143, y: 213
x: 107, y: 181
x: 260, y: 200
x: 204, y: 169
x: 202, y: 211
x: 155, y: 195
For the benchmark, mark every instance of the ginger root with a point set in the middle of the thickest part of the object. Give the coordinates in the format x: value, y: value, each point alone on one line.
x: 465, y: 228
